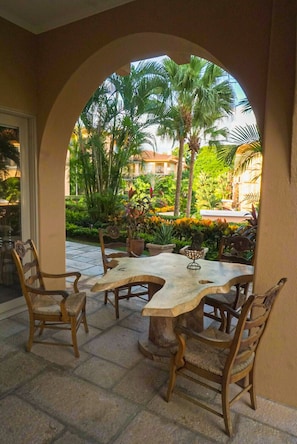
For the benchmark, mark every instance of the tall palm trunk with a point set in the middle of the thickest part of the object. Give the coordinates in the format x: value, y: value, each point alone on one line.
x: 190, y: 185
x: 194, y: 146
x: 179, y: 177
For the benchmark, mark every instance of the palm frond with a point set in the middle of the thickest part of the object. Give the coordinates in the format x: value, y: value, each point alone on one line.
x: 247, y: 134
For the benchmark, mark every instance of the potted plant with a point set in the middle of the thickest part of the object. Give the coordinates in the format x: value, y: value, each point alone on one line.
x: 195, y: 250
x: 162, y: 241
x: 136, y: 209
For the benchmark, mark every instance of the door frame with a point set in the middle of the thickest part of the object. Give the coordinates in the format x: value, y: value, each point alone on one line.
x: 29, y: 197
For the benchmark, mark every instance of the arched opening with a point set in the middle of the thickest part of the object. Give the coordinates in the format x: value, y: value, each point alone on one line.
x: 68, y: 106
x: 263, y: 61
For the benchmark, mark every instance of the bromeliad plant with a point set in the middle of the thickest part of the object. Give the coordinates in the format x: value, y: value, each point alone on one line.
x: 163, y: 234
x: 136, y: 210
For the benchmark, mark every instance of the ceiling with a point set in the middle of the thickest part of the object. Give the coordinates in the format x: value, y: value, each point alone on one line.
x: 38, y: 16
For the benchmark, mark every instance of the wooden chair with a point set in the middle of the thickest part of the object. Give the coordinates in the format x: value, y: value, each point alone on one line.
x: 216, y: 360
x: 52, y: 309
x: 117, y: 250
x: 236, y: 249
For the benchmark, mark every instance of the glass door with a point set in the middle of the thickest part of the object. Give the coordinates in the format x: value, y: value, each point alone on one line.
x: 16, y: 221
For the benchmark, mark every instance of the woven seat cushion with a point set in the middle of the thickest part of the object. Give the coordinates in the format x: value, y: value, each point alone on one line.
x: 50, y: 304
x: 209, y: 358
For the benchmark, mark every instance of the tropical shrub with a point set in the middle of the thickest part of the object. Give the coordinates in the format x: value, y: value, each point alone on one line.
x: 80, y: 227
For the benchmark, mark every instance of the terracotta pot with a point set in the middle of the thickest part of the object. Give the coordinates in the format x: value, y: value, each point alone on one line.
x: 155, y: 249
x: 135, y: 246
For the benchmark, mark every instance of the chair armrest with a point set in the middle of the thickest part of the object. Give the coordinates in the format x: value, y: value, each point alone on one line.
x: 62, y: 293
x: 40, y: 291
x: 115, y: 255
x: 61, y: 275
x: 219, y: 339
x: 77, y: 275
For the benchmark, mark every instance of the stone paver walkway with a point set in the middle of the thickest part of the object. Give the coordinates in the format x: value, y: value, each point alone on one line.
x: 112, y: 393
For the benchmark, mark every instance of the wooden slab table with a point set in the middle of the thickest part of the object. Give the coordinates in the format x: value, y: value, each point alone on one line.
x: 174, y: 290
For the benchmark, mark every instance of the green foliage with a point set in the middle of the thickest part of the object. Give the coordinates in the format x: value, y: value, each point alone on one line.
x: 136, y: 210
x: 114, y: 124
x: 163, y: 234
x: 163, y: 188
x: 7, y: 149
x: 208, y: 161
x: 246, y: 141
x: 81, y: 233
x: 213, y: 179
x: 183, y: 230
x: 77, y: 213
x: 211, y: 191
x: 198, y: 95
x: 103, y: 207
x: 10, y: 189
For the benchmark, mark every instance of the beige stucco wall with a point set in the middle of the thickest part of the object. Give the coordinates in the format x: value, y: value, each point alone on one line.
x: 18, y: 73
x: 255, y: 41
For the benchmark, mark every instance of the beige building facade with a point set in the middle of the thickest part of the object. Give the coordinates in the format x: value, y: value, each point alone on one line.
x: 151, y: 162
x: 46, y: 79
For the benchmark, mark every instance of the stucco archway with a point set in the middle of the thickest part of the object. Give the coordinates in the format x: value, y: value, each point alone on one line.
x: 74, y: 93
x: 65, y: 111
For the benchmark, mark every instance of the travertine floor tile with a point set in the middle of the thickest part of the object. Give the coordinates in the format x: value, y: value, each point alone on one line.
x: 18, y: 368
x: 118, y: 345
x: 148, y: 428
x: 251, y: 431
x: 22, y: 423
x: 91, y: 409
x: 103, y: 373
x: 142, y: 382
x: 112, y: 394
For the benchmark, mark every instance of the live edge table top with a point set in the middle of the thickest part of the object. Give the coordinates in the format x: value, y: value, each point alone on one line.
x: 182, y: 288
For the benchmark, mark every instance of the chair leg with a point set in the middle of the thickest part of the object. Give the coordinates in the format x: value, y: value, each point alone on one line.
x: 74, y: 337
x: 116, y: 304
x: 226, y: 408
x: 41, y: 328
x: 129, y: 293
x: 105, y: 297
x: 31, y: 335
x: 228, y: 326
x: 172, y: 380
x: 252, y: 389
x: 84, y: 319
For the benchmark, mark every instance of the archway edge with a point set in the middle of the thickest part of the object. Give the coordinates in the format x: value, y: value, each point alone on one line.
x: 117, y: 53
x: 57, y: 121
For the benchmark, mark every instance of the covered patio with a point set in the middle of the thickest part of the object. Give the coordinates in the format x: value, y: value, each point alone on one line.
x: 112, y: 393
x: 47, y: 76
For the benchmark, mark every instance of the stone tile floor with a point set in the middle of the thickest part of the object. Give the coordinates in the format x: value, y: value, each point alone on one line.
x: 112, y: 393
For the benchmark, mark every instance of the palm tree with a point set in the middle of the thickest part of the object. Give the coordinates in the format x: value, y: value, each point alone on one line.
x: 245, y: 151
x: 246, y: 141
x: 117, y: 120
x: 199, y: 96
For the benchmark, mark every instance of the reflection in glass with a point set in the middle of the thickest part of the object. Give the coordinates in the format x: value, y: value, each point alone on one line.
x: 10, y: 214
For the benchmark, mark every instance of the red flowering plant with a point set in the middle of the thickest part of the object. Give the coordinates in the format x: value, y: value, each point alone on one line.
x: 136, y: 210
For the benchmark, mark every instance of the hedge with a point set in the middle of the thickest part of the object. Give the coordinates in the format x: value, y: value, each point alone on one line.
x: 184, y: 228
